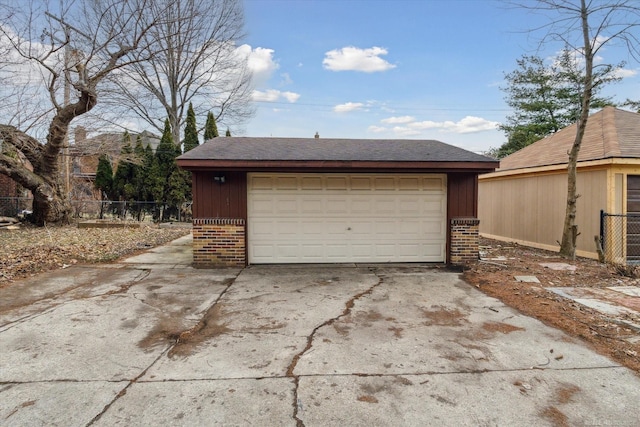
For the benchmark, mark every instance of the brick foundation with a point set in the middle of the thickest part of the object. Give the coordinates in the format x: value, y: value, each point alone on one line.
x: 464, y: 240
x: 219, y: 242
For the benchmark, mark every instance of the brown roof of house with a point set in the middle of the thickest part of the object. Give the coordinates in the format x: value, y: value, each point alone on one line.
x: 248, y: 150
x: 610, y: 132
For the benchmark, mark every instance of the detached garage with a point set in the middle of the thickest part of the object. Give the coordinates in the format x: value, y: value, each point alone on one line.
x: 311, y: 200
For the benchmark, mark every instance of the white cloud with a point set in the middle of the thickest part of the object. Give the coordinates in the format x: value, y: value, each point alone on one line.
x: 349, y: 106
x: 273, y: 95
x: 286, y: 79
x: 290, y: 96
x: 260, y: 62
x: 376, y: 129
x: 398, y: 120
x: 405, y: 131
x: 351, y: 58
x: 624, y: 73
x: 468, y: 124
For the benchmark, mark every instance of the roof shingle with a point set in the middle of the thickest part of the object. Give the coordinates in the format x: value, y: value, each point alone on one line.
x: 314, y: 149
x: 610, y: 133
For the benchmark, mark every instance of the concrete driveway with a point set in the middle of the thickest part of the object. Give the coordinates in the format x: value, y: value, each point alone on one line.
x: 152, y: 341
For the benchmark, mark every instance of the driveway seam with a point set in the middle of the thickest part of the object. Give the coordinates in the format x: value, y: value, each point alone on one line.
x: 124, y: 390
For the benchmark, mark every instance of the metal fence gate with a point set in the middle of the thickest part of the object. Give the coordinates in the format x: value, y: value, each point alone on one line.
x: 620, y: 237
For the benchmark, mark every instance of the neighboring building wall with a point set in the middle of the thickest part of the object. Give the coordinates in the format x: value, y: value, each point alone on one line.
x: 8, y: 192
x: 8, y: 187
x: 219, y: 242
x: 530, y: 209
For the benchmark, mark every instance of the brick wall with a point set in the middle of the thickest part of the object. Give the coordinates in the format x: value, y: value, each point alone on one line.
x: 219, y: 242
x: 8, y: 187
x: 8, y: 191
x: 464, y: 240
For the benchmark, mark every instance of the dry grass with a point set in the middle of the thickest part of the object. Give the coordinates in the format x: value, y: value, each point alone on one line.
x: 31, y: 250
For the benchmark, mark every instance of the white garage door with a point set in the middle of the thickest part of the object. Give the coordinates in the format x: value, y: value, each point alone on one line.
x: 317, y: 218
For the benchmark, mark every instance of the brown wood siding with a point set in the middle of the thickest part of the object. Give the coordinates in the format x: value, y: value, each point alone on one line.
x: 212, y: 199
x: 462, y: 200
x: 462, y: 195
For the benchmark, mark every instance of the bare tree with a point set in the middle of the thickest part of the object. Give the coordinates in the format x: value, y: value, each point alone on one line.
x: 198, y: 63
x: 585, y: 27
x: 59, y: 59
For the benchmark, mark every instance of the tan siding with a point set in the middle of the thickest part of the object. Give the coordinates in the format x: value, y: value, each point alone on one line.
x: 531, y: 209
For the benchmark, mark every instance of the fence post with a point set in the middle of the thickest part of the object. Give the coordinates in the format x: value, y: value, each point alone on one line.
x: 602, y: 229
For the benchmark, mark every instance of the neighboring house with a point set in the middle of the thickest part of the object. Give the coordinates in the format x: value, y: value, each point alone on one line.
x: 524, y: 201
x: 85, y: 153
x: 311, y: 200
x: 13, y: 197
x: 8, y: 196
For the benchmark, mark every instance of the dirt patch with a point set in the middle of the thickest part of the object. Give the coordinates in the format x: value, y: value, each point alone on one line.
x: 368, y: 399
x: 341, y: 329
x: 505, y: 328
x: 397, y: 332
x: 604, y: 334
x: 442, y: 316
x: 565, y: 393
x: 556, y: 416
x: 166, y: 331
x: 210, y: 326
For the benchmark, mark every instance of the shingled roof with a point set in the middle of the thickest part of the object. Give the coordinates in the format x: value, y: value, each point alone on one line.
x: 610, y: 133
x: 247, y: 150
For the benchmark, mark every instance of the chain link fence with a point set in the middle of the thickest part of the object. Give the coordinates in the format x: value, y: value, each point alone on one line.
x: 105, y: 209
x: 620, y: 237
x: 15, y: 206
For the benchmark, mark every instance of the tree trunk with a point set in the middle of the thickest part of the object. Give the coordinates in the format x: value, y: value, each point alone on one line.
x: 570, y: 230
x: 50, y: 205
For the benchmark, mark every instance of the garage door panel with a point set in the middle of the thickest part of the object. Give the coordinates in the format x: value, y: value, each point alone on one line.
x: 337, y: 251
x: 361, y: 229
x: 384, y: 207
x: 262, y: 229
x: 338, y: 206
x: 262, y: 206
x: 361, y: 206
x: 346, y: 218
x: 286, y: 229
x: 311, y: 205
x: 362, y: 250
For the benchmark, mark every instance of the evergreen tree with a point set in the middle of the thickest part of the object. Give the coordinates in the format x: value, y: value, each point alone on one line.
x: 162, y: 172
x: 546, y: 98
x: 104, y: 177
x: 228, y: 133
x: 210, y: 127
x: 123, y: 180
x: 138, y: 175
x: 190, y: 131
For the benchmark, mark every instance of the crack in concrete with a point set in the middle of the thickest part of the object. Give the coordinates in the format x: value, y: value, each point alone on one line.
x: 144, y: 273
x: 297, y: 403
x: 124, y: 390
x: 170, y: 348
x: 205, y: 328
x: 52, y: 304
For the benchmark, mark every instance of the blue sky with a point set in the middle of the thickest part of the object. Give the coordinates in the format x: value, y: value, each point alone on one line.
x: 421, y: 69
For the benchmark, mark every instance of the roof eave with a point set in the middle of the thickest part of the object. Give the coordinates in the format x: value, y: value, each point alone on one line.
x: 322, y: 165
